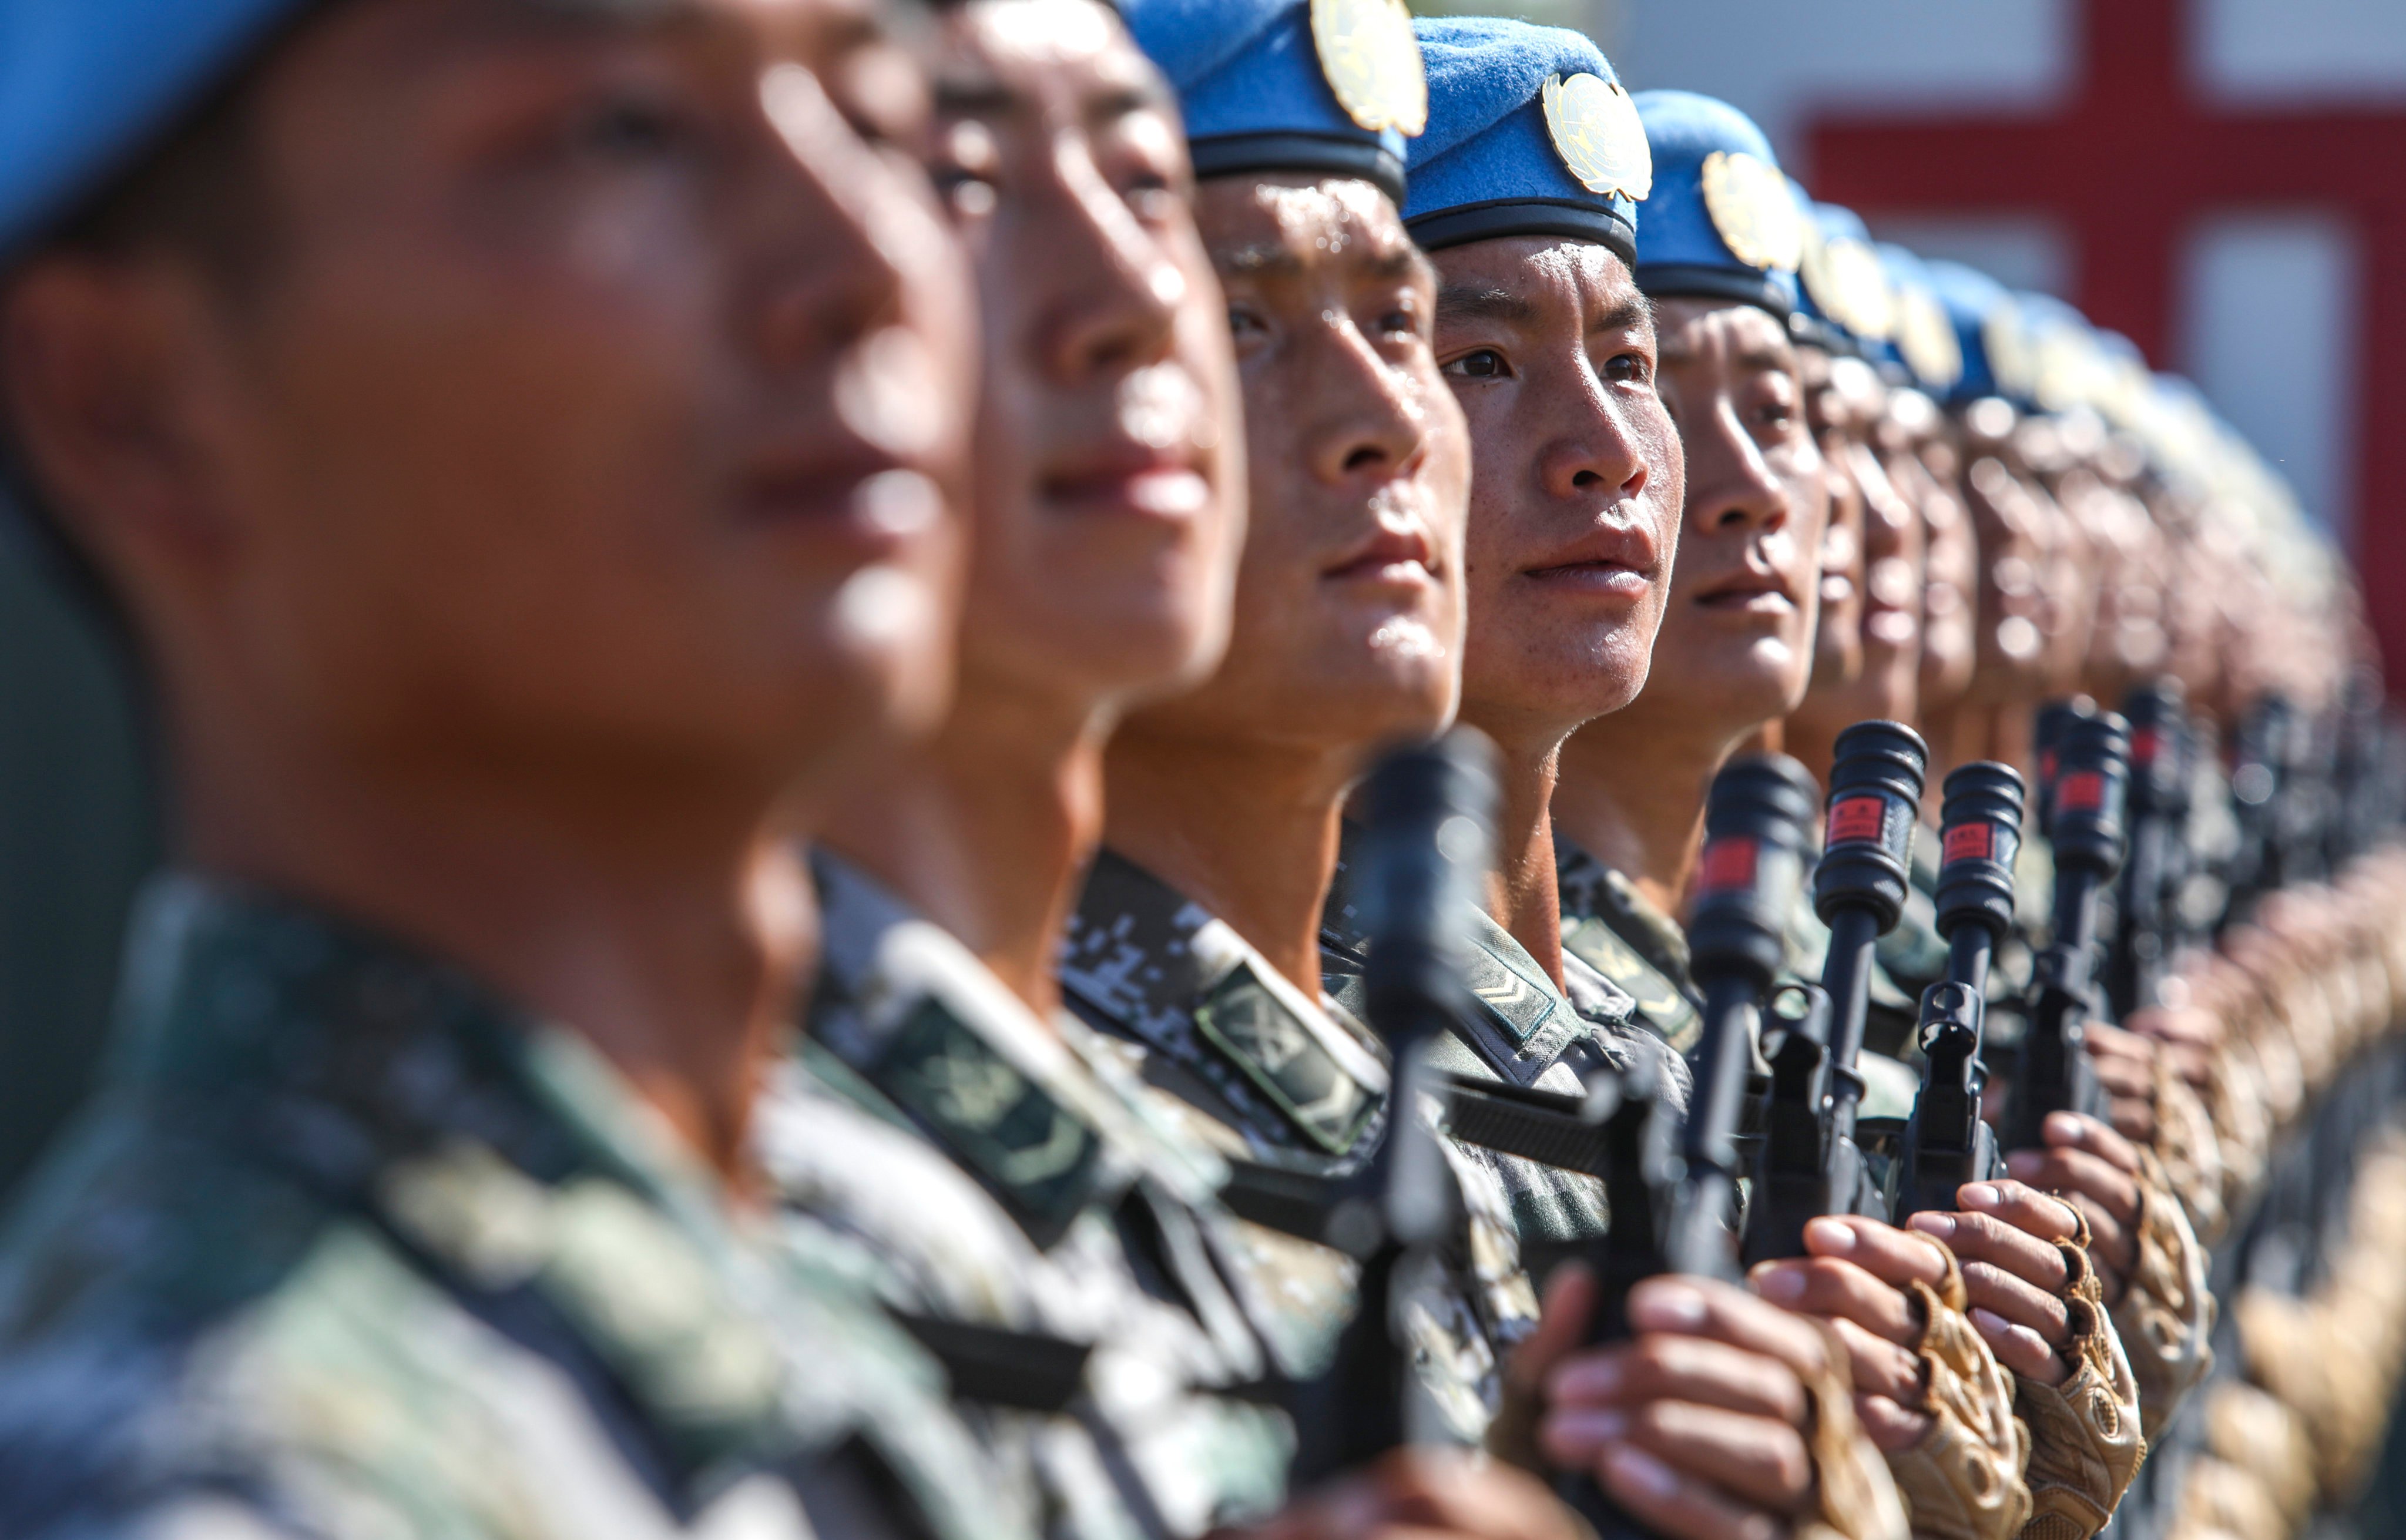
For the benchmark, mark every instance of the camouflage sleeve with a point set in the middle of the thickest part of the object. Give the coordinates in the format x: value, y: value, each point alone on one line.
x: 1963, y: 1480
x: 2166, y: 1314
x: 1855, y: 1496
x: 2085, y: 1439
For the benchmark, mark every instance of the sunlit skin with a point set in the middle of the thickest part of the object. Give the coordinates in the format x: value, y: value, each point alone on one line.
x: 1838, y: 639
x: 1736, y: 645
x: 2015, y: 524
x: 1844, y: 402
x: 1950, y: 589
x: 572, y: 496
x: 2074, y: 570
x: 1574, y: 522
x: 1897, y: 551
x: 1348, y: 614
x: 1110, y: 507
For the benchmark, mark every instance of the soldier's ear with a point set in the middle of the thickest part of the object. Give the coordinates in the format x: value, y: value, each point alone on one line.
x: 111, y: 380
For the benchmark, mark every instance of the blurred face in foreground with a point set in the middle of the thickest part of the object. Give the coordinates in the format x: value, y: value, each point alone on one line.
x: 1736, y: 648
x: 1110, y: 495
x: 1349, y: 604
x: 595, y: 409
x: 1576, y: 484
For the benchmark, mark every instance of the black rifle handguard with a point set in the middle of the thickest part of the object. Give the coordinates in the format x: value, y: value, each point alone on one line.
x: 1809, y: 1164
x: 1946, y: 1142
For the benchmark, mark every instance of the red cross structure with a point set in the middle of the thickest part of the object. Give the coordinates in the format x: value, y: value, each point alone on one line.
x: 2129, y: 166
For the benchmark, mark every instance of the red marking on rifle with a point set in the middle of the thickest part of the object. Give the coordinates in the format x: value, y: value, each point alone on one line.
x: 2082, y: 791
x: 1858, y: 818
x: 1728, y: 863
x: 1971, y: 842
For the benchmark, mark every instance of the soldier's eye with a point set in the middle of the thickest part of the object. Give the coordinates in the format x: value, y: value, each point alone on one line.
x: 1480, y: 363
x: 1626, y: 368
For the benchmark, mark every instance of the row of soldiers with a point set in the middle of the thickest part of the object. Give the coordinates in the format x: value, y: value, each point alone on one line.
x: 770, y: 622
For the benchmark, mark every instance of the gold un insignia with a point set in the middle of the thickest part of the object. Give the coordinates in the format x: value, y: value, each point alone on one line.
x: 1752, y: 208
x: 1599, y: 135
x: 1372, y: 61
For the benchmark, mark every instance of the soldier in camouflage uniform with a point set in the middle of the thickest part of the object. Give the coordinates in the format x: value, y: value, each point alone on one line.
x: 498, y: 598
x: 1129, y: 1350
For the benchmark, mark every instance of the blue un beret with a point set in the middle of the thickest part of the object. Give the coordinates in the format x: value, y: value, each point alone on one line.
x: 1722, y: 222
x: 86, y: 85
x: 1491, y: 164
x: 1256, y: 96
x: 1973, y: 300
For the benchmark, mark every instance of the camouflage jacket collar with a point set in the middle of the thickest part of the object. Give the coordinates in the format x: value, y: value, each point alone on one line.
x: 905, y: 1006
x: 1617, y: 930
x: 1524, y: 1024
x: 513, y: 1165
x: 1301, y: 1077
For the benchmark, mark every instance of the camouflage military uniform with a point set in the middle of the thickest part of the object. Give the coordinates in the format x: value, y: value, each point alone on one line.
x: 349, y: 1247
x: 1007, y: 1193
x: 1526, y: 1033
x: 1294, y: 1092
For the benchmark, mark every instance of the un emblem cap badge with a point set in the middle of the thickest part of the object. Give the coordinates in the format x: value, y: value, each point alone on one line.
x: 1927, y: 340
x: 1752, y: 208
x: 1599, y: 135
x: 1372, y: 61
x: 1846, y: 279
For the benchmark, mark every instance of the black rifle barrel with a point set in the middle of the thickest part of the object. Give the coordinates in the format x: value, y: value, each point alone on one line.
x: 2089, y: 802
x: 1860, y: 887
x: 1758, y: 822
x: 1428, y: 847
x: 1946, y: 1143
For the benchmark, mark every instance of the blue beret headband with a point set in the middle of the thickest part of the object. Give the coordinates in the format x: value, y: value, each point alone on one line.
x: 1530, y: 134
x: 1723, y: 222
x: 86, y: 86
x: 1329, y: 86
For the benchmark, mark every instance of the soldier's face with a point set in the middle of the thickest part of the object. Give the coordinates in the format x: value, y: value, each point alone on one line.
x: 1950, y: 580
x: 1110, y: 490
x: 604, y: 402
x: 1349, y: 604
x: 1736, y: 648
x: 2011, y: 518
x: 1838, y: 639
x: 1575, y: 480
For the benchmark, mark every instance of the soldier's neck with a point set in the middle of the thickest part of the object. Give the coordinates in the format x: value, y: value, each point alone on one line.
x: 1248, y: 830
x: 1633, y: 796
x: 985, y: 828
x: 655, y: 909
x: 1523, y: 896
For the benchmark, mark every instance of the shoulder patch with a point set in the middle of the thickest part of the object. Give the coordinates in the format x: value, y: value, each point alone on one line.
x: 1031, y: 1152
x: 1279, y: 1055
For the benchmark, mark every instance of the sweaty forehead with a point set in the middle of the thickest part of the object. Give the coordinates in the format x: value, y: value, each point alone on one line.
x: 1527, y: 278
x: 1271, y: 227
x: 1745, y: 334
x: 1013, y: 42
